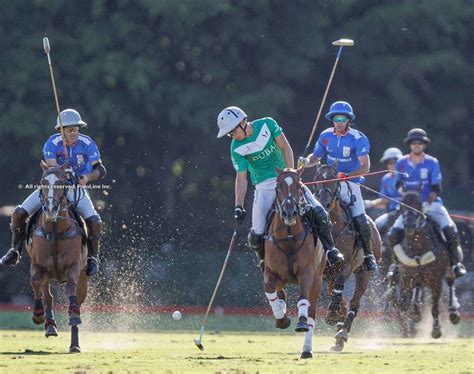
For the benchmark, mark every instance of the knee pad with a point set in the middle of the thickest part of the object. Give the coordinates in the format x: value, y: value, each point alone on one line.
x: 254, y: 240
x: 18, y: 218
x: 361, y: 220
x: 94, y: 225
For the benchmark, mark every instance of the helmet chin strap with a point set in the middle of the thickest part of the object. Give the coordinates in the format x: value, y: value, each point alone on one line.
x: 244, y: 129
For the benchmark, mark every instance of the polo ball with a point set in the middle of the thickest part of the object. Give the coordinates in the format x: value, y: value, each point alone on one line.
x: 176, y: 315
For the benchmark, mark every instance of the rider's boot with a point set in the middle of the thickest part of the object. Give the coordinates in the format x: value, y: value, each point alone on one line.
x: 255, y: 242
x: 94, y: 228
x: 18, y: 228
x: 363, y: 228
x: 452, y: 239
x: 321, y: 222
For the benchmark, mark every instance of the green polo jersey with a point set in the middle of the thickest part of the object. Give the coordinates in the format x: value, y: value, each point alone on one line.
x: 259, y: 153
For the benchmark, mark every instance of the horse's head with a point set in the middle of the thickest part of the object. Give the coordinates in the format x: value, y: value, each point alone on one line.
x: 412, y: 219
x: 288, y: 194
x: 326, y: 192
x: 53, y: 190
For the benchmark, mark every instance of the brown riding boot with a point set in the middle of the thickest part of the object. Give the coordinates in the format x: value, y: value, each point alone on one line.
x: 94, y: 228
x: 18, y: 228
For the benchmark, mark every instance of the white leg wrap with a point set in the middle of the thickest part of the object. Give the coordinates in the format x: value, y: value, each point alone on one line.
x: 303, y: 305
x: 278, y: 305
x: 308, y: 336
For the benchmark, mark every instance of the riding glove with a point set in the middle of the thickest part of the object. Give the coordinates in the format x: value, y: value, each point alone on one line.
x: 303, y: 162
x: 240, y: 213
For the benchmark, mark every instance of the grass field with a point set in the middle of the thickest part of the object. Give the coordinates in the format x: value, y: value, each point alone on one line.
x: 372, y: 348
x: 28, y: 351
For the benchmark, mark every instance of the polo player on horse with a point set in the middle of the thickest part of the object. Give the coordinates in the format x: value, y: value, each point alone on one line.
x: 388, y: 189
x: 348, y: 150
x: 84, y: 159
x: 259, y: 147
x: 421, y: 172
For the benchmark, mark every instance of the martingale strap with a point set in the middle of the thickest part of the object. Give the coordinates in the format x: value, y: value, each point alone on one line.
x: 70, y: 233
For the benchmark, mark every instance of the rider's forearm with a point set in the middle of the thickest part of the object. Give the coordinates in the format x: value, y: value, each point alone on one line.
x: 313, y: 160
x: 288, y: 156
x: 93, y: 176
x: 240, y: 189
x: 364, y: 169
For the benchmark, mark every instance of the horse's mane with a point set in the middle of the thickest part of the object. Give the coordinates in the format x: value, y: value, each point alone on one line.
x: 413, y: 199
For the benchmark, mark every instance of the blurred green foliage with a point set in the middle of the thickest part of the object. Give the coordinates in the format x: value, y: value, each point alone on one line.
x: 149, y: 77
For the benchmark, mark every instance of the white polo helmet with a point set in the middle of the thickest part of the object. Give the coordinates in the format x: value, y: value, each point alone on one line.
x: 70, y: 117
x: 391, y: 154
x: 228, y: 119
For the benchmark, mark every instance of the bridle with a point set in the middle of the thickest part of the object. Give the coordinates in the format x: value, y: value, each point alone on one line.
x: 296, y: 202
x: 323, y: 187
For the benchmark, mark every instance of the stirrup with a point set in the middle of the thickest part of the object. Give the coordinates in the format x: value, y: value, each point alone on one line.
x: 92, y: 267
x: 11, y: 258
x: 370, y: 263
x: 459, y: 270
x: 335, y: 257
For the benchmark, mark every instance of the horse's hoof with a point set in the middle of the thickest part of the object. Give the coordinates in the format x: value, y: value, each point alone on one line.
x: 74, y: 349
x: 308, y: 354
x: 436, y: 333
x: 38, y: 320
x: 74, y: 321
x: 283, y: 323
x: 331, y: 318
x: 338, y: 347
x: 454, y: 317
x: 302, y: 326
x: 416, y: 314
x: 51, y: 331
x: 342, y: 334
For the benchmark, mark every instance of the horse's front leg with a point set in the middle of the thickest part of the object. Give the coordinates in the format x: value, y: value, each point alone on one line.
x: 336, y: 308
x: 72, y: 277
x: 36, y: 280
x: 51, y: 329
x: 273, y: 286
x: 308, y: 336
x: 435, y: 295
x: 362, y: 281
x: 454, y: 315
x: 305, y: 284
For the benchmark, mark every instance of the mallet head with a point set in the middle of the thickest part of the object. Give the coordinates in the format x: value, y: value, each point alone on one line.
x: 46, y: 45
x: 199, y: 344
x: 343, y: 43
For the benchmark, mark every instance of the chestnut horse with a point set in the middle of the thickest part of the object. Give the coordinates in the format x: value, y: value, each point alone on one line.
x: 58, y: 252
x: 423, y: 262
x: 291, y: 256
x: 345, y: 239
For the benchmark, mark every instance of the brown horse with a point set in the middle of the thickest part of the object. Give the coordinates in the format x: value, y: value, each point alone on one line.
x: 423, y: 262
x: 346, y: 241
x: 58, y: 252
x: 292, y: 257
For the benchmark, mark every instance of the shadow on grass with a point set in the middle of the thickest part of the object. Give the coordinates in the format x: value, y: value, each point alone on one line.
x: 28, y: 352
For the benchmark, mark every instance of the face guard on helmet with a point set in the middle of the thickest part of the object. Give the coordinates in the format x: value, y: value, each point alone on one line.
x: 229, y: 119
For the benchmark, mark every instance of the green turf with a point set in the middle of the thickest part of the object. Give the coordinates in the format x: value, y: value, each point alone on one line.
x: 28, y: 351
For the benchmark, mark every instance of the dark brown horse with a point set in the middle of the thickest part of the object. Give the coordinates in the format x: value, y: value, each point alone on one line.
x: 423, y: 262
x: 57, y: 252
x: 291, y: 256
x: 346, y: 241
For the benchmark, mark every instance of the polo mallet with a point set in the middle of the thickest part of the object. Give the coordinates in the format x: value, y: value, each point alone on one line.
x: 47, y: 50
x: 198, y: 341
x: 341, y: 43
